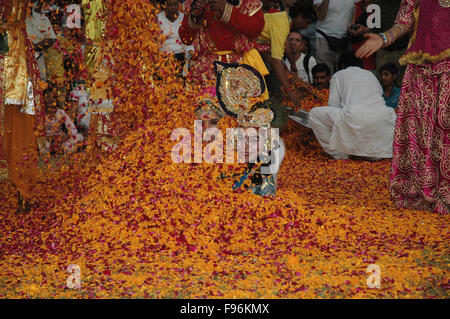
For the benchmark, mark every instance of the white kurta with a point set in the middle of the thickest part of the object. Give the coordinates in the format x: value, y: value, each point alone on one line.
x: 357, y: 120
x: 39, y: 28
x: 170, y: 29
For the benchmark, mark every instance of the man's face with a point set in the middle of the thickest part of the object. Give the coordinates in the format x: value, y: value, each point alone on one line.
x: 37, y: 6
x: 172, y: 8
x: 321, y: 80
x: 387, y: 78
x: 295, y: 42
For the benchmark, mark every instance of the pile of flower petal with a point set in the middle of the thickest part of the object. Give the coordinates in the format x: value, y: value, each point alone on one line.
x: 310, y: 95
x: 139, y: 225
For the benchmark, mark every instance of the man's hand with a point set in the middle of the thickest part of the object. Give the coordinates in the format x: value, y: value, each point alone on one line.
x: 360, y: 31
x: 290, y: 56
x: 218, y: 5
x: 197, y: 9
x: 294, y: 98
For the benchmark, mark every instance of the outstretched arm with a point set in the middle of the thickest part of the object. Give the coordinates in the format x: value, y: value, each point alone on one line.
x: 404, y: 23
x: 281, y: 73
x: 375, y: 42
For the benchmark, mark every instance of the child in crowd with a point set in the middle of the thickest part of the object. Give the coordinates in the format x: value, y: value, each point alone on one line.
x: 391, y: 92
x: 80, y: 97
x: 170, y: 21
x: 60, y: 129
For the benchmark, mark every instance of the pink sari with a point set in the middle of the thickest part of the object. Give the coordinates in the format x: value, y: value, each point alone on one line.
x: 420, y: 176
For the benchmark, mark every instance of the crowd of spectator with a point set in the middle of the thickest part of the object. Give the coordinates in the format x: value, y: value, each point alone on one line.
x: 306, y: 39
x: 300, y: 37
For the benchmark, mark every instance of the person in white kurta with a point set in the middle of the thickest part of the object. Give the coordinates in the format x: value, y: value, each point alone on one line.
x: 41, y: 34
x: 356, y: 120
x: 170, y: 21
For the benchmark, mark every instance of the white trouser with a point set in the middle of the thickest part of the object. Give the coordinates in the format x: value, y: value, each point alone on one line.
x: 325, y: 55
x: 321, y: 120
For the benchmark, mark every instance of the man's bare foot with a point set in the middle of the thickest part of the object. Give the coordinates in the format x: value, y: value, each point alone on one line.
x: 20, y: 204
x: 24, y: 205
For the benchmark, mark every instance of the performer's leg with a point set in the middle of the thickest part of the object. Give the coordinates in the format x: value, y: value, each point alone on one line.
x: 21, y: 150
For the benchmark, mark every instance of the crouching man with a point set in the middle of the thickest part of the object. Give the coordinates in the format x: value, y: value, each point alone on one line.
x: 356, y: 121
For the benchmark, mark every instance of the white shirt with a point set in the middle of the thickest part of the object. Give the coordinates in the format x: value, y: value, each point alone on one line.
x: 80, y: 95
x: 39, y: 28
x: 301, y: 72
x: 170, y: 29
x: 339, y: 16
x: 365, y: 127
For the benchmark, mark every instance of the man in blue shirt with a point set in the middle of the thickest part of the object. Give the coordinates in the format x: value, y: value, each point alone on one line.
x: 391, y: 92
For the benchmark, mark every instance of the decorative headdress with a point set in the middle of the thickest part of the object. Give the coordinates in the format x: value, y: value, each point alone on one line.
x: 207, y: 101
x: 239, y: 91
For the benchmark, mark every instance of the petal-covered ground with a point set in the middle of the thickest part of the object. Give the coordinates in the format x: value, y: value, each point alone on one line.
x: 139, y: 225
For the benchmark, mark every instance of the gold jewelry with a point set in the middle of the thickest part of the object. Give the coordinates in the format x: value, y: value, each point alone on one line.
x: 389, y: 38
x: 400, y: 26
x: 444, y: 3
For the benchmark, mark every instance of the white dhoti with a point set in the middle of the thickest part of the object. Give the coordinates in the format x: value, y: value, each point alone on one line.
x: 357, y: 122
x: 321, y: 120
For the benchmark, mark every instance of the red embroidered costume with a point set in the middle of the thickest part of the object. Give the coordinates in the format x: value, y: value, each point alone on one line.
x: 223, y: 38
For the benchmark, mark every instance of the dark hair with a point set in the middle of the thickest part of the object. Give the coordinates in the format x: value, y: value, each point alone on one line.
x: 389, y: 67
x: 348, y: 59
x: 164, y: 2
x: 50, y: 88
x: 305, y: 8
x: 321, y: 67
x: 296, y: 31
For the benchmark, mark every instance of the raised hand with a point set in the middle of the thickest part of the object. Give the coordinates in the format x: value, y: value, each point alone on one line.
x: 197, y: 8
x: 373, y: 44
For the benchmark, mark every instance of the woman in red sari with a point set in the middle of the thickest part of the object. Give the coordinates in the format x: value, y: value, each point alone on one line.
x: 420, y: 176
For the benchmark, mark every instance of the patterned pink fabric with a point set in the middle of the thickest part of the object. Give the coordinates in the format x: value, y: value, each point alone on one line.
x: 420, y: 176
x: 433, y: 33
x: 421, y: 163
x: 210, y: 90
